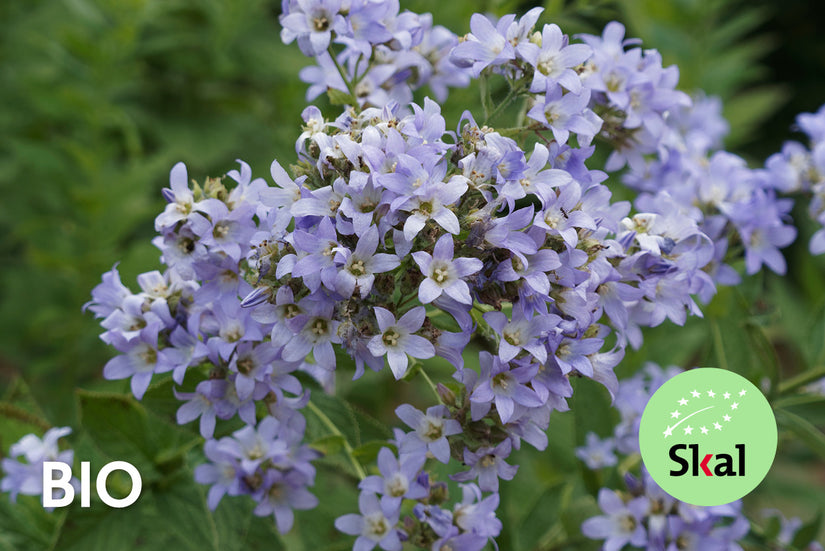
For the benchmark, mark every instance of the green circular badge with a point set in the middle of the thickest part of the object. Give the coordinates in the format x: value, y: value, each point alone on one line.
x: 708, y: 436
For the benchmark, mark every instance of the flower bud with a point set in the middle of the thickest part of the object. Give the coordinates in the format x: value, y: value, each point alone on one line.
x: 447, y: 396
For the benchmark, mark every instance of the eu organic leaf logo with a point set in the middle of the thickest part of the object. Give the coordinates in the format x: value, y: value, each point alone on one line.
x: 721, y: 410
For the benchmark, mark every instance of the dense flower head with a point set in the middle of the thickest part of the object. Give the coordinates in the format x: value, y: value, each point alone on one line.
x: 393, y: 240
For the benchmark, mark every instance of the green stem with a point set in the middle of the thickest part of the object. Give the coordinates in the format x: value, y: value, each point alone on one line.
x: 429, y: 382
x: 802, y: 379
x: 719, y: 345
x: 508, y: 99
x: 359, y: 470
x: 350, y: 86
x: 486, y: 97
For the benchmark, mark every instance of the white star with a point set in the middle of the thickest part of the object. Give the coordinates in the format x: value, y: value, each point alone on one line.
x: 704, y: 430
x: 717, y: 426
x: 668, y: 432
x: 675, y: 414
x: 688, y: 430
x: 742, y: 392
x: 711, y: 394
x: 683, y: 402
x: 734, y: 405
x: 726, y: 417
x: 695, y: 394
x: 726, y: 395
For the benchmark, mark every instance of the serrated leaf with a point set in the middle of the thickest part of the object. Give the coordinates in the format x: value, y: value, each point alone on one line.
x: 123, y: 430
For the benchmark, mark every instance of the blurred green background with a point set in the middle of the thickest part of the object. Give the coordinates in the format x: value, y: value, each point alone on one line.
x: 99, y: 98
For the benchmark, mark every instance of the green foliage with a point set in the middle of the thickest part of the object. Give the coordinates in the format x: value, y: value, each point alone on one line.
x: 718, y: 49
x: 100, y: 99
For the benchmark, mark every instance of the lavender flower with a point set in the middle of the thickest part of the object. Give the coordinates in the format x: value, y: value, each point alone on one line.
x: 361, y: 265
x: 374, y: 526
x: 444, y: 274
x: 398, y: 478
x: 431, y: 430
x: 396, y: 339
x: 622, y: 523
x: 488, y: 465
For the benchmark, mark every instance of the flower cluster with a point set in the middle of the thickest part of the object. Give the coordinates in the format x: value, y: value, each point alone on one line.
x: 469, y: 525
x: 672, y: 147
x: 802, y: 169
x: 611, y: 87
x: 643, y: 515
x: 382, y: 55
x: 397, y: 240
x: 267, y: 462
x: 24, y: 466
x: 190, y: 321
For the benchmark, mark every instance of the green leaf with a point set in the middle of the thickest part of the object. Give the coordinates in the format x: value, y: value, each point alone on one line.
x: 772, y: 528
x: 808, y: 532
x: 337, y: 97
x: 25, y: 524
x: 808, y: 433
x: 122, y: 429
x: 329, y: 445
x: 367, y: 453
x: 572, y: 517
x: 356, y: 426
x: 535, y: 526
x: 183, y: 514
x: 240, y: 530
x: 104, y: 528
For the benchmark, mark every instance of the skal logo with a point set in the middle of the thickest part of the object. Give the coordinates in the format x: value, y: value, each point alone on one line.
x: 64, y: 482
x: 708, y: 436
